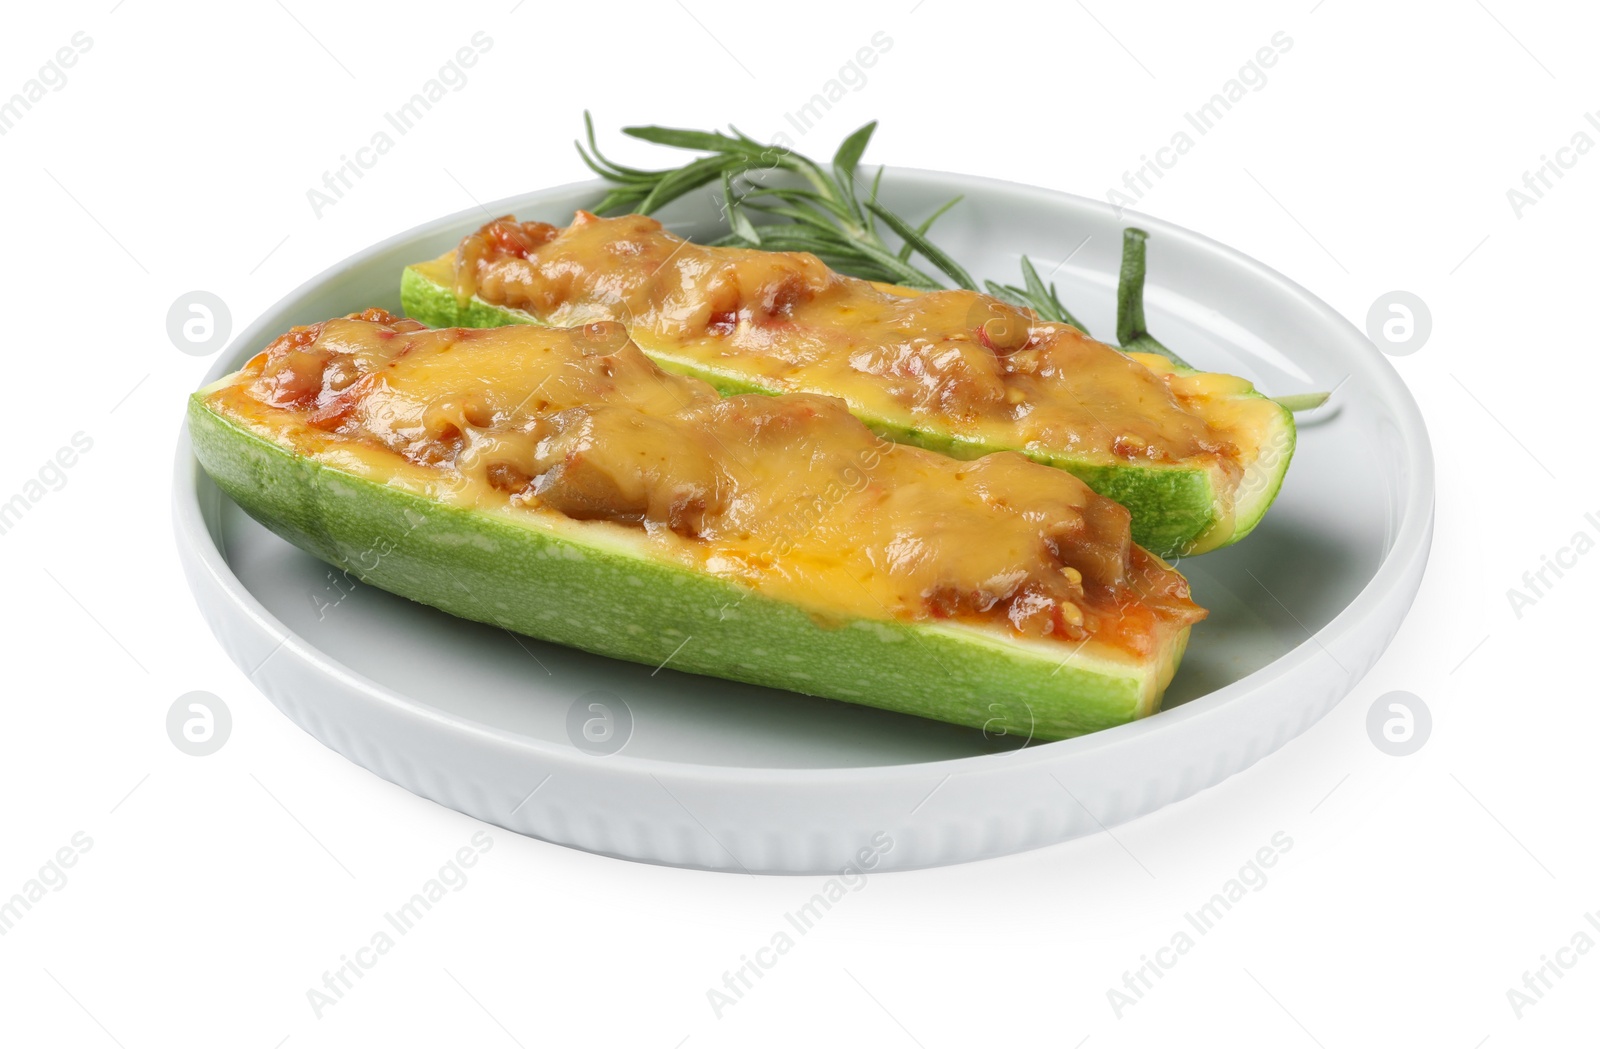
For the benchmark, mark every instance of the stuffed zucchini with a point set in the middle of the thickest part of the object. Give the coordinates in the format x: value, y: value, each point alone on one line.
x: 558, y: 483
x: 1196, y: 457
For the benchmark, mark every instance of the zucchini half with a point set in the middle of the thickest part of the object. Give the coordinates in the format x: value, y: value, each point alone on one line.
x: 613, y: 514
x: 1177, y: 510
x: 593, y: 585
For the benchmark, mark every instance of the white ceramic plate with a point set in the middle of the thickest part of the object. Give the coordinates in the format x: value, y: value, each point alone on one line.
x: 728, y: 776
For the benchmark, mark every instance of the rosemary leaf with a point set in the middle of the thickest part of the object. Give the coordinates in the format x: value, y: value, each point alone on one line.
x: 738, y: 221
x: 686, y: 179
x: 847, y: 157
x: 805, y: 200
x: 606, y: 168
x: 1132, y: 334
x: 800, y: 216
x: 684, y: 139
x: 1045, y: 300
x: 1006, y: 293
x: 927, y: 224
x: 872, y: 198
x: 924, y: 247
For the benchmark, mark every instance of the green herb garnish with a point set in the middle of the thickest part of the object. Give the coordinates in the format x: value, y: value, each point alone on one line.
x: 831, y: 215
x: 1132, y: 334
x: 1134, y: 337
x: 836, y: 217
x: 1036, y: 296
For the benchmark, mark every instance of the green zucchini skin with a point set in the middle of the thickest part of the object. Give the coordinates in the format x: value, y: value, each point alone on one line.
x: 1174, y: 509
x: 593, y: 587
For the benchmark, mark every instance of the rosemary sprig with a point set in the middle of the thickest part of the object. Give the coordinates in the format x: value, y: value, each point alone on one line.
x: 834, y: 215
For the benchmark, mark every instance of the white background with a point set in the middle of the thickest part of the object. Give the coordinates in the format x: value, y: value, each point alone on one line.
x: 1377, y: 157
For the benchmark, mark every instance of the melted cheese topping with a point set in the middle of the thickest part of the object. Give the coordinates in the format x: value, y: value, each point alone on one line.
x: 969, y: 364
x: 791, y: 495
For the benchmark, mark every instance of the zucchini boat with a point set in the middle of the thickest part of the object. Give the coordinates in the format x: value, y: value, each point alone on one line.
x: 558, y: 483
x: 1196, y: 457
